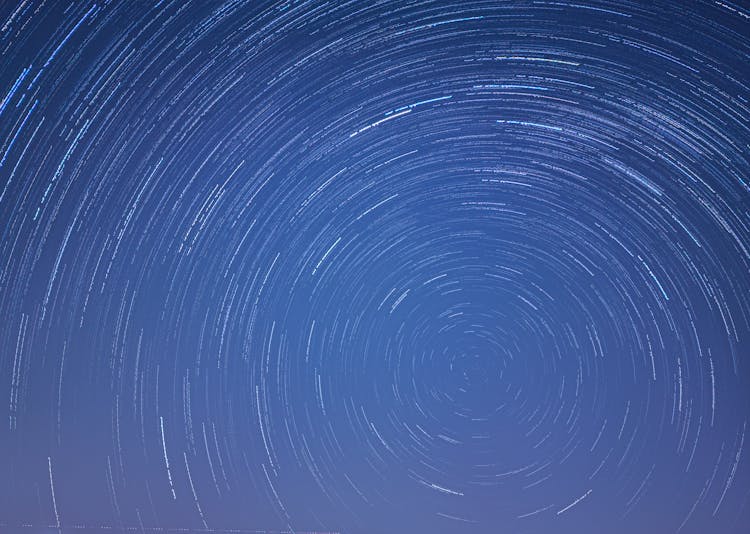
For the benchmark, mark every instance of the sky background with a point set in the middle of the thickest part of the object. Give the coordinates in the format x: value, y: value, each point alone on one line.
x: 375, y: 267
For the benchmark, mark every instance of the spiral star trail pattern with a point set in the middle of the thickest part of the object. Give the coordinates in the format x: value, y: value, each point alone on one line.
x: 375, y: 267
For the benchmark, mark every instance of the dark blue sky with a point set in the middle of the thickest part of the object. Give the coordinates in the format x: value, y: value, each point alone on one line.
x: 375, y: 267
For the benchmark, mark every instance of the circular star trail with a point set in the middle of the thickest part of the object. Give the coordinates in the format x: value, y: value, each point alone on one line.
x: 374, y: 267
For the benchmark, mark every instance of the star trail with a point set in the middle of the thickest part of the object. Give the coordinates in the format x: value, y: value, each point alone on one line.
x: 375, y: 266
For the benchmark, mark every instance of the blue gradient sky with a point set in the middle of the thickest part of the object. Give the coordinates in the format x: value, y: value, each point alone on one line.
x: 374, y: 267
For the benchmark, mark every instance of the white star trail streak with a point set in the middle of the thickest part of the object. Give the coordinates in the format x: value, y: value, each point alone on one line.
x: 452, y: 266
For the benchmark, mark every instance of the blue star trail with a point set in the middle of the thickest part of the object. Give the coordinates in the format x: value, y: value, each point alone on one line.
x: 375, y: 267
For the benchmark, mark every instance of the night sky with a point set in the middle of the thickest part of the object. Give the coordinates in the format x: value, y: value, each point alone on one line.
x: 375, y: 266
